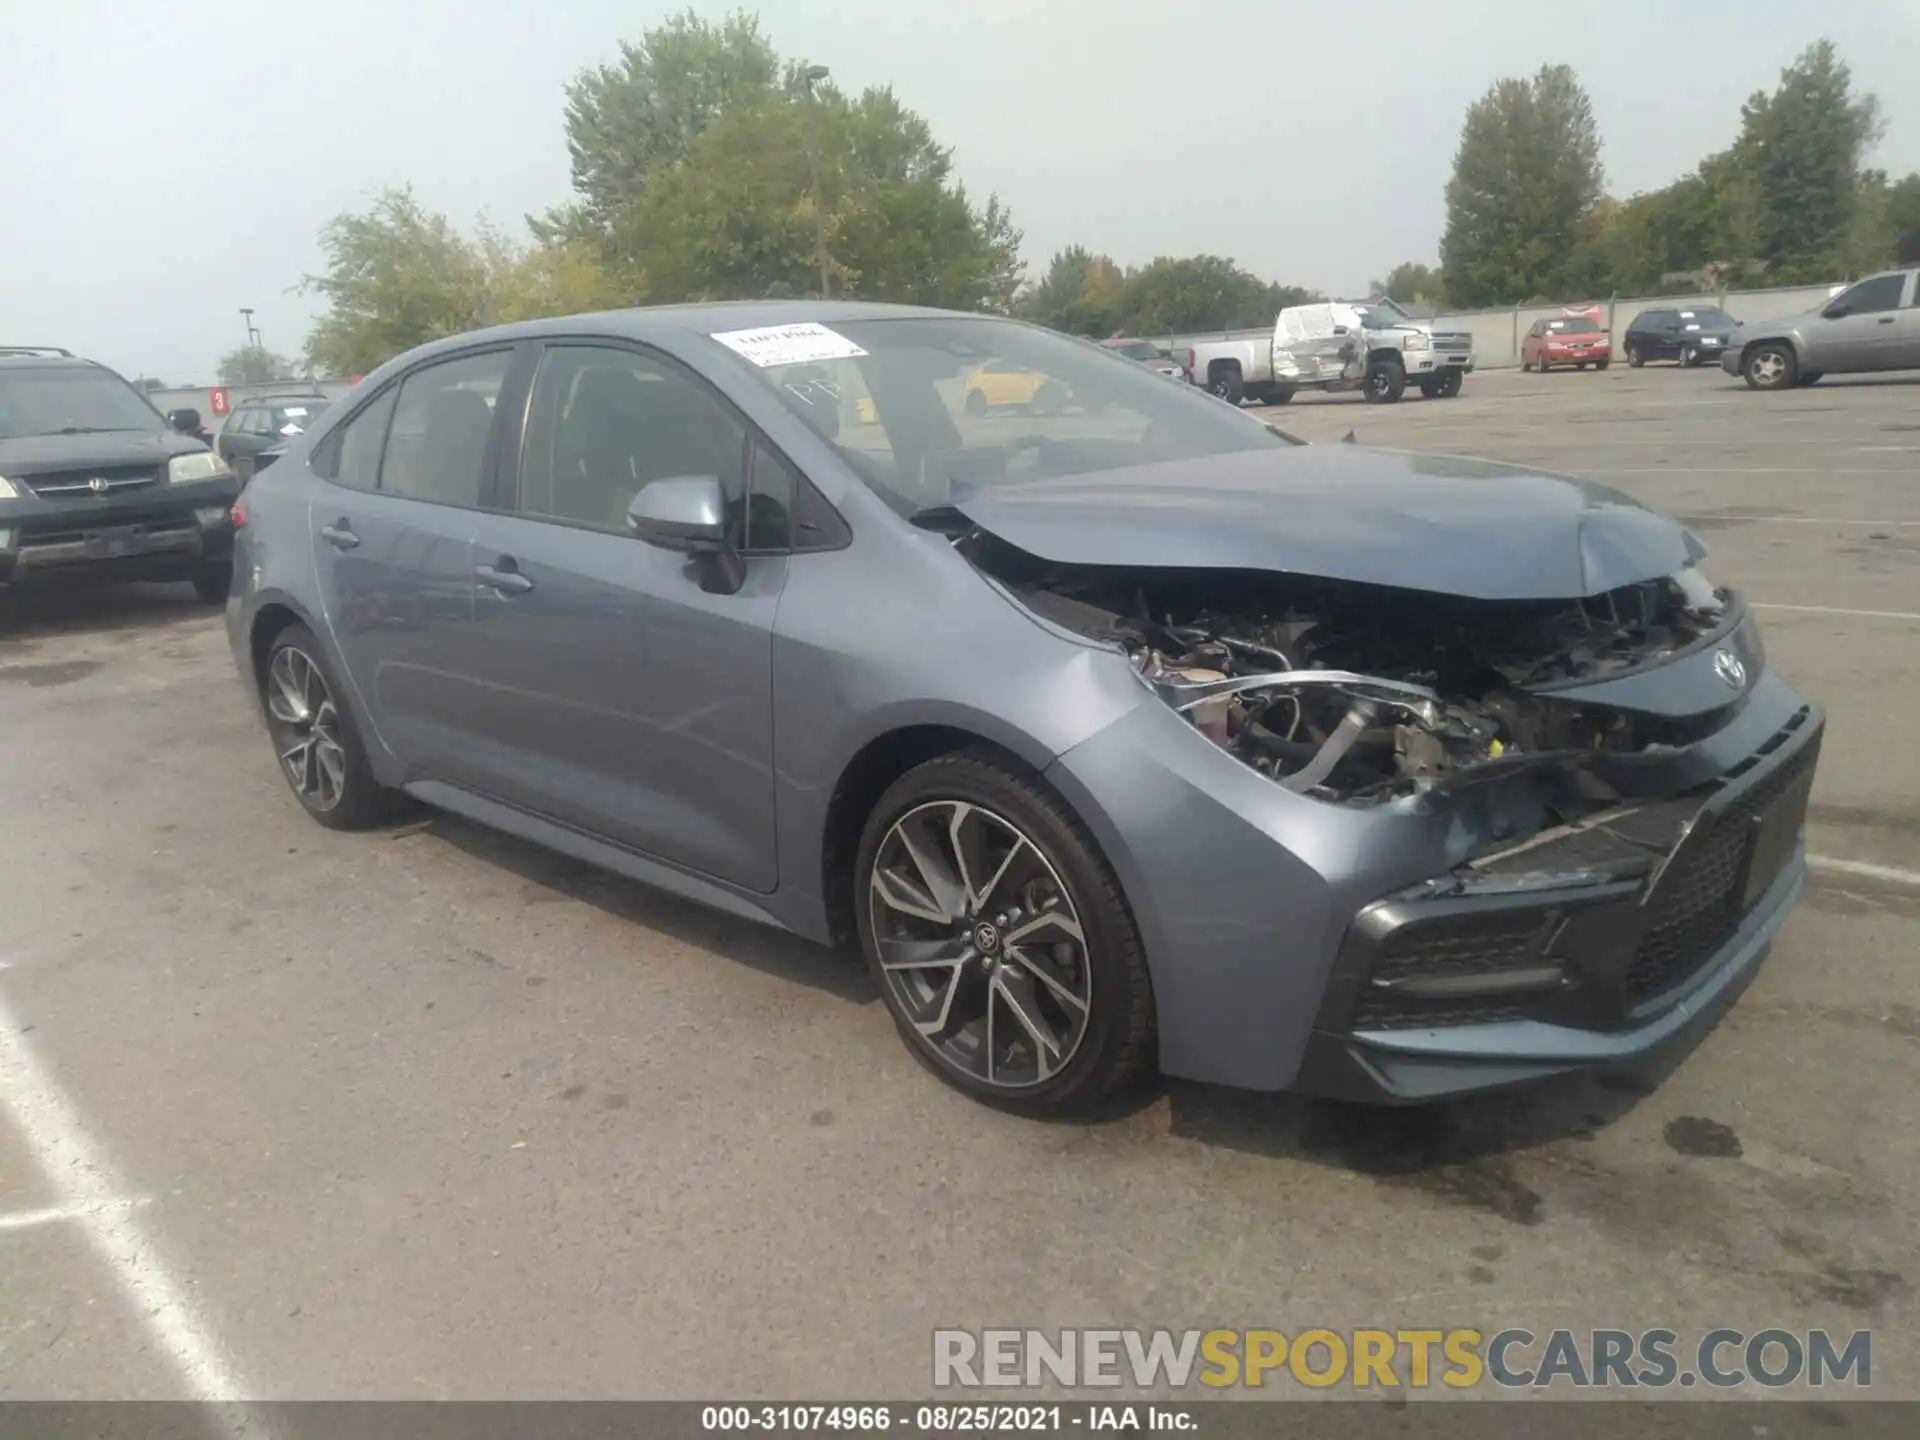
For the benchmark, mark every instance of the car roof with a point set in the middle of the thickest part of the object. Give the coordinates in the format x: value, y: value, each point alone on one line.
x: 40, y: 359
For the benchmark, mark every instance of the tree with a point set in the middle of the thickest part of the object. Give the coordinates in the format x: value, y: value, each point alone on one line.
x: 1200, y: 292
x: 627, y: 120
x: 253, y: 365
x: 1082, y: 293
x: 1903, y: 219
x: 1410, y: 282
x: 1802, y: 147
x: 398, y: 275
x: 1526, y: 179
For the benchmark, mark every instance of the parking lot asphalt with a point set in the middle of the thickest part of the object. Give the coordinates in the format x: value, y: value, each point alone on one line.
x: 429, y: 1113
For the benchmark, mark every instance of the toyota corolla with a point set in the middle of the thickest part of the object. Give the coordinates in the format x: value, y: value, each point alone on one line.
x: 1123, y: 733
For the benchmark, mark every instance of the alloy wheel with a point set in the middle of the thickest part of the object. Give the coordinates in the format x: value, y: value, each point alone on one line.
x: 1769, y: 367
x: 305, y: 723
x: 979, y: 944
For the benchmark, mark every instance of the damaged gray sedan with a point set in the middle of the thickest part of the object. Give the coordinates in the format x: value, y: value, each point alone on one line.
x: 1116, y: 728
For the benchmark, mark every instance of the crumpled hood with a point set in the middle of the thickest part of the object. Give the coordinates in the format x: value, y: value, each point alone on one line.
x: 32, y: 454
x: 1454, y: 526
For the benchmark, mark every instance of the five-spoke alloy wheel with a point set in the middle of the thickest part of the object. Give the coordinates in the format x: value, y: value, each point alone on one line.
x: 1000, y: 939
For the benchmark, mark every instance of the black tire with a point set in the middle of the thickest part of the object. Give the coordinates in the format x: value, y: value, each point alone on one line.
x: 1226, y: 382
x: 213, y: 582
x: 976, y: 403
x: 1451, y: 382
x: 1634, y: 358
x: 1771, y: 365
x: 362, y: 801
x: 1115, y: 1047
x: 1601, y: 364
x: 1280, y: 395
x: 1430, y: 387
x: 1579, y: 364
x: 1386, y: 382
x: 1689, y: 357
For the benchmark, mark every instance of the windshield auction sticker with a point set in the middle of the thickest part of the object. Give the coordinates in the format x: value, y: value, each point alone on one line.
x: 789, y: 344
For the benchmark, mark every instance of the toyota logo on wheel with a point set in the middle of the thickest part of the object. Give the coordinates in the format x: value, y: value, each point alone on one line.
x: 1727, y: 666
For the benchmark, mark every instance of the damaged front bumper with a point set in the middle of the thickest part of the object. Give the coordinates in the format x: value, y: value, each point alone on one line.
x: 1584, y: 948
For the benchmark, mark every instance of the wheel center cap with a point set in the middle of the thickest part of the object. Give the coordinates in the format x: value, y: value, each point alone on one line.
x: 986, y: 938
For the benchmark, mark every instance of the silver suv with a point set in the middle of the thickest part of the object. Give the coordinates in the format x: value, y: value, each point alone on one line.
x: 1874, y: 325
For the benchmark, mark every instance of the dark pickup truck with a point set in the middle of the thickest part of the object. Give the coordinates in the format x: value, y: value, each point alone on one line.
x: 96, y: 485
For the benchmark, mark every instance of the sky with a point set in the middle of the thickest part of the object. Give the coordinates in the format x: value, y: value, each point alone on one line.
x: 165, y: 165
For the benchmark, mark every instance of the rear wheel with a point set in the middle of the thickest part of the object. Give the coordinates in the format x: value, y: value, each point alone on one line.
x: 1689, y: 357
x: 321, y: 755
x: 1772, y: 366
x: 1386, y: 381
x: 976, y: 404
x: 1000, y: 940
x: 1227, y: 384
x: 1280, y: 395
x: 1601, y: 364
x: 1634, y: 357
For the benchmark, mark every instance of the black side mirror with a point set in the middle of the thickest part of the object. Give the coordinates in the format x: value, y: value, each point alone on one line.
x: 186, y: 422
x: 1836, y: 310
x: 688, y: 513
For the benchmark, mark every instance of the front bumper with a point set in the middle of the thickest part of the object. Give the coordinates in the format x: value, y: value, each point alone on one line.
x: 158, y: 532
x: 1266, y: 915
x: 1730, y: 360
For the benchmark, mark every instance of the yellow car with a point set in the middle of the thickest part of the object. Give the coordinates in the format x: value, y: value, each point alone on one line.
x: 996, y: 384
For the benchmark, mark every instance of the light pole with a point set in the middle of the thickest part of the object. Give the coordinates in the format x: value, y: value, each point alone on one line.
x: 809, y: 76
x: 253, y: 335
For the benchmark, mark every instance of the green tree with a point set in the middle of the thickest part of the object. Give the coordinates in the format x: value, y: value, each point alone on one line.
x: 1903, y: 219
x: 1526, y: 179
x: 1082, y: 293
x: 1200, y: 292
x: 1801, y: 147
x: 626, y: 120
x: 253, y: 365
x: 1409, y: 283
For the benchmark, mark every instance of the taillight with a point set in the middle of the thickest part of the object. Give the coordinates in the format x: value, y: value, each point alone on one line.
x: 239, y: 513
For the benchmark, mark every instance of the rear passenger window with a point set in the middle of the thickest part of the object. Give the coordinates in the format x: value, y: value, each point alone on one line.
x: 350, y: 456
x: 437, y: 445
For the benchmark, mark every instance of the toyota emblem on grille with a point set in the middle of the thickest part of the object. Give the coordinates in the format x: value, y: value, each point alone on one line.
x: 1727, y: 666
x: 98, y: 484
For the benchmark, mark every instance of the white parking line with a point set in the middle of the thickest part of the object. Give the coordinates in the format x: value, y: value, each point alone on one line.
x: 90, y: 1197
x: 1837, y: 610
x: 1788, y: 519
x: 54, y: 1214
x: 1864, y: 870
x: 1745, y: 470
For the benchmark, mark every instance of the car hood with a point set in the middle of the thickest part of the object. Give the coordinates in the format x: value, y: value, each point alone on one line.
x: 35, y: 454
x: 1446, y: 524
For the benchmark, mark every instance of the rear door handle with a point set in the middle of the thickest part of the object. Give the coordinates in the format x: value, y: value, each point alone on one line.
x: 1885, y: 320
x: 340, y: 536
x: 508, y: 581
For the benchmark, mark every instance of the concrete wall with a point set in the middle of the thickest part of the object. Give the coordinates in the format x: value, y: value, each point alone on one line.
x: 1497, y: 333
x: 202, y: 400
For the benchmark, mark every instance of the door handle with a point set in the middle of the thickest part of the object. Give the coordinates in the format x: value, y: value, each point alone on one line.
x: 1884, y: 320
x: 340, y: 536
x: 507, y: 582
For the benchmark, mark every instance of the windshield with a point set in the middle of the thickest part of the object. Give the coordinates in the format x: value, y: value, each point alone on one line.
x: 1135, y: 350
x: 1578, y: 325
x: 70, y: 402
x: 1375, y: 318
x: 1707, y: 319
x: 300, y: 415
x: 929, y: 409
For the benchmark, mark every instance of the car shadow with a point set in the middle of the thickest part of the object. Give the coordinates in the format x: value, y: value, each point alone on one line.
x: 772, y: 952
x: 38, y: 613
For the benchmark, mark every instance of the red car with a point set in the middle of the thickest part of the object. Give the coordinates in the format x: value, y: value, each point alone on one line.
x: 1575, y: 340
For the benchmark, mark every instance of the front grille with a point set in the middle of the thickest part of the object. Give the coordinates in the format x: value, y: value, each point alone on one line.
x: 1453, y: 341
x: 1696, y: 906
x: 72, y: 522
x: 112, y: 479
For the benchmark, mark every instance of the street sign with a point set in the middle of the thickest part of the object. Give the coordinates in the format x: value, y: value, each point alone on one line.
x: 218, y: 400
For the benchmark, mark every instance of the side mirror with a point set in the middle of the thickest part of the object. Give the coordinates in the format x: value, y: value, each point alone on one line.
x: 1835, y: 311
x: 688, y: 513
x: 186, y: 422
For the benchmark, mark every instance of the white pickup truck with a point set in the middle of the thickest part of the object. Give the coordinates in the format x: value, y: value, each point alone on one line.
x: 1333, y: 345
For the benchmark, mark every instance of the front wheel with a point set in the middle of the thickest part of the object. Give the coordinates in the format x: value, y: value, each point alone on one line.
x: 1000, y: 940
x: 1772, y: 366
x: 976, y: 404
x: 1601, y: 364
x: 1386, y: 382
x: 1451, y: 382
x: 1280, y: 395
x: 321, y: 755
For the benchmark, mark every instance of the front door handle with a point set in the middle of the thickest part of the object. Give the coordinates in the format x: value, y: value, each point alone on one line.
x: 340, y: 536
x: 1885, y: 320
x: 507, y: 582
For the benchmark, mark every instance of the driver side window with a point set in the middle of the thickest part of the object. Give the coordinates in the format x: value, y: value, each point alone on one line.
x: 1869, y: 297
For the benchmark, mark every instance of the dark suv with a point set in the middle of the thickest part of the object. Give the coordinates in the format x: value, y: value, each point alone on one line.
x: 95, y: 485
x: 1690, y: 336
x: 264, y: 423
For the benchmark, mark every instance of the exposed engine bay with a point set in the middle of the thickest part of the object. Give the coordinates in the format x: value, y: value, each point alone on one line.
x: 1366, y: 695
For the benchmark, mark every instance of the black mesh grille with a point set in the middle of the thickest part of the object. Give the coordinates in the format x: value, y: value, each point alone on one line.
x: 1696, y: 905
x: 1468, y: 944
